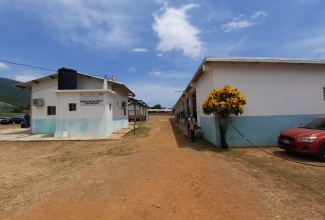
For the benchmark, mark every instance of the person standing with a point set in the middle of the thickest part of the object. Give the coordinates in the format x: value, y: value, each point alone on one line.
x: 27, y: 120
x: 192, y: 124
x: 188, y: 126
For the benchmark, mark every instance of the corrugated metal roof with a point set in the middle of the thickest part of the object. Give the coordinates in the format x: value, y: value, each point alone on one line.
x: 132, y: 100
x: 160, y: 110
x: 262, y: 60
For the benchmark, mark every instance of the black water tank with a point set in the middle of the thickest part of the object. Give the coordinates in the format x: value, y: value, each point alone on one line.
x: 67, y: 79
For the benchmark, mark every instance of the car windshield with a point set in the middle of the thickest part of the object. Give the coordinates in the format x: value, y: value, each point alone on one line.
x: 315, y: 123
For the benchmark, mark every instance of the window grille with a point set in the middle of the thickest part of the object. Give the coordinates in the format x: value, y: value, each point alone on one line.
x: 72, y: 107
x: 51, y: 110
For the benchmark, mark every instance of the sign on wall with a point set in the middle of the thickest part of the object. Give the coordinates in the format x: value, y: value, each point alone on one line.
x: 91, y: 99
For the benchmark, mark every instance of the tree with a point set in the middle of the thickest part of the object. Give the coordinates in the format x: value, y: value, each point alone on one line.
x: 223, y: 103
x: 157, y: 106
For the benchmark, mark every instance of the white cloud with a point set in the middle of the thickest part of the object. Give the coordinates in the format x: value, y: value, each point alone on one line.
x: 155, y: 73
x: 258, y: 15
x: 311, y: 46
x: 236, y: 25
x: 132, y: 69
x: 169, y: 76
x: 27, y: 76
x: 241, y: 23
x: 159, y: 1
x: 176, y: 33
x: 140, y: 50
x: 95, y: 23
x: 3, y: 66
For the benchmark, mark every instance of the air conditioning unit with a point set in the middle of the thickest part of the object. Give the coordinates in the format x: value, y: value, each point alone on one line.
x: 124, y: 104
x: 38, y: 102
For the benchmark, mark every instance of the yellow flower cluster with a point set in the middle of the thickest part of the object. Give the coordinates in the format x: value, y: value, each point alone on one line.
x: 224, y: 102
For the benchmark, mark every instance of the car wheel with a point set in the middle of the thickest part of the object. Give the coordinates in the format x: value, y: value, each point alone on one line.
x: 321, y: 154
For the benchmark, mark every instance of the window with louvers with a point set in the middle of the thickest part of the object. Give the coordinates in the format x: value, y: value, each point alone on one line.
x: 51, y: 110
x: 72, y: 107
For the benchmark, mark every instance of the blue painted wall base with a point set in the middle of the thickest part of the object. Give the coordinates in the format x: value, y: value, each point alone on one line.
x: 93, y: 127
x: 260, y: 130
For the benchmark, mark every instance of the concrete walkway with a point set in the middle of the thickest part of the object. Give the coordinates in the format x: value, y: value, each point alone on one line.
x: 23, y: 134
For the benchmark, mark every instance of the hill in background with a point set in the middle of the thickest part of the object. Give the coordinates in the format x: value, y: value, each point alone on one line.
x: 9, y: 94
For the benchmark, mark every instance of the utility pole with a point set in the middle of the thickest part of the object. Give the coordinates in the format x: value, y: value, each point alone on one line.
x: 134, y: 115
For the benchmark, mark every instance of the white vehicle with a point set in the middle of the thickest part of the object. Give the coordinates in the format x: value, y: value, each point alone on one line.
x: 1, y: 118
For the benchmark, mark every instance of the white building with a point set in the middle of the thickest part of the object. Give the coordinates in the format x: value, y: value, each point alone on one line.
x: 280, y: 93
x: 72, y: 104
x: 137, y: 108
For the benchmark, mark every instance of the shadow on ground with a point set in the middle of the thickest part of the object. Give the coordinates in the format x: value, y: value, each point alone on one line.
x: 183, y: 140
x: 200, y: 144
x: 10, y: 131
x: 300, y: 158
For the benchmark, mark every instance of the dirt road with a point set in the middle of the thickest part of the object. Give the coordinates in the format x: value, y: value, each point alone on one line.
x: 163, y: 176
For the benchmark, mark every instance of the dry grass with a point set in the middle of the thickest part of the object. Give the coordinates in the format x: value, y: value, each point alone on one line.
x: 307, y: 181
x: 30, y: 171
x: 275, y: 172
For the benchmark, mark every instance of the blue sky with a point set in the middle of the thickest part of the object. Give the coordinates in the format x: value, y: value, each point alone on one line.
x: 154, y: 47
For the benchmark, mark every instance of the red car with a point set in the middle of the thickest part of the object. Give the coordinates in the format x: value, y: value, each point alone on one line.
x: 308, y: 138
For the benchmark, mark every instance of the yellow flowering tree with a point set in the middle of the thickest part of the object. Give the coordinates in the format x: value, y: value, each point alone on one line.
x: 224, y: 103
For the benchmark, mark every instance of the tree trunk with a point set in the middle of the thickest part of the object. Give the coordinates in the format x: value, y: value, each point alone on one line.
x: 223, y: 142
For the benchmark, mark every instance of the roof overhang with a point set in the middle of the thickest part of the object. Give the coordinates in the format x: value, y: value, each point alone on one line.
x: 133, y: 100
x: 123, y: 87
x: 28, y: 85
x: 262, y: 60
x: 83, y: 91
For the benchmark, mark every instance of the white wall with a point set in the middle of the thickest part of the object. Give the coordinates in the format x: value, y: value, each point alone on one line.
x: 74, y: 97
x: 274, y: 89
x: 44, y: 91
x: 203, y: 87
x: 85, y: 82
x: 139, y: 109
x: 119, y: 110
x: 86, y: 120
x: 278, y: 96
